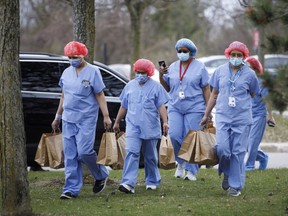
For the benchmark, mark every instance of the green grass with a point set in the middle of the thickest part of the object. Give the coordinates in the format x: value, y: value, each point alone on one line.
x: 265, y: 193
x: 279, y: 133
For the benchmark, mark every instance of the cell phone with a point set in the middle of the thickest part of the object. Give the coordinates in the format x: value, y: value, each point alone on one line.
x: 270, y: 123
x: 162, y: 63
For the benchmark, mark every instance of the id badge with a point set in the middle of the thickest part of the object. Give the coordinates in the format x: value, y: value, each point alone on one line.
x: 181, y: 95
x: 232, y: 101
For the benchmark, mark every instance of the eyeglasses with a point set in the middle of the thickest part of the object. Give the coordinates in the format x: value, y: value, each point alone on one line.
x: 238, y: 55
x: 140, y: 72
x: 73, y: 57
x: 182, y: 51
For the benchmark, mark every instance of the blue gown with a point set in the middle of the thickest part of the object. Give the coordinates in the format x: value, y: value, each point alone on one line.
x: 233, y: 123
x: 185, y: 114
x: 259, y: 112
x: 143, y: 129
x: 79, y: 118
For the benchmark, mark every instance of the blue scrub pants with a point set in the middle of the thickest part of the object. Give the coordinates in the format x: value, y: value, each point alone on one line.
x: 231, y: 145
x: 131, y: 163
x: 179, y: 125
x: 255, y: 137
x: 78, y: 140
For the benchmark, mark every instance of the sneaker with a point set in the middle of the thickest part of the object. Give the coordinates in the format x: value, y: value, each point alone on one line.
x: 180, y: 171
x: 151, y: 187
x: 190, y: 176
x: 247, y: 169
x: 225, y: 184
x: 126, y: 189
x: 67, y: 195
x: 99, y: 185
x: 233, y: 192
x: 263, y: 164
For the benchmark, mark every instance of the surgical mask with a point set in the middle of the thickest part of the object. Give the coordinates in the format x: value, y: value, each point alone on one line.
x: 236, y: 61
x: 75, y: 62
x: 183, y: 56
x: 141, y: 78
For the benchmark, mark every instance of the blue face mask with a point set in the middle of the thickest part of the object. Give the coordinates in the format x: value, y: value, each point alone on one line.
x: 236, y: 61
x: 141, y: 78
x: 183, y: 56
x: 75, y: 62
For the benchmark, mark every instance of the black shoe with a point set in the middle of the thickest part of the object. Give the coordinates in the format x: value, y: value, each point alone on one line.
x: 67, y: 195
x: 225, y: 184
x: 126, y: 189
x: 99, y: 185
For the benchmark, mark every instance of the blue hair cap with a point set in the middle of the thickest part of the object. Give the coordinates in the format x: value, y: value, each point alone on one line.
x: 185, y: 42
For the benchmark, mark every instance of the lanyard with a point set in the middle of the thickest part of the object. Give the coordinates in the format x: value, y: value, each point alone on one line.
x: 180, y: 71
x: 233, y: 79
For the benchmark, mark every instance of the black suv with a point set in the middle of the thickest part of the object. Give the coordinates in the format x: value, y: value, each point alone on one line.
x: 40, y: 93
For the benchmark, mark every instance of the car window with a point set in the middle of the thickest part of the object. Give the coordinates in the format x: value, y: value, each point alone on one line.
x: 216, y: 63
x: 113, y: 84
x: 275, y: 62
x: 42, y: 76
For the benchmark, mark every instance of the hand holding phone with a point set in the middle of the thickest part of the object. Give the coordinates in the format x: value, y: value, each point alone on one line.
x: 162, y: 67
x: 162, y: 64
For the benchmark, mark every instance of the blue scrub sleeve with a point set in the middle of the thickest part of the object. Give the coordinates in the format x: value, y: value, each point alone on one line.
x: 204, y: 78
x: 214, y: 81
x: 162, y: 97
x: 123, y: 98
x: 97, y: 83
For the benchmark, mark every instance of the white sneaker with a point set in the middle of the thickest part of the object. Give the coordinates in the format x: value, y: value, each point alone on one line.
x: 151, y: 187
x: 180, y: 171
x: 190, y: 176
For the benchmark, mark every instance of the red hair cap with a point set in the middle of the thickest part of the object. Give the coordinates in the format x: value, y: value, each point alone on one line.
x: 236, y: 45
x: 145, y: 65
x: 255, y: 64
x: 75, y: 48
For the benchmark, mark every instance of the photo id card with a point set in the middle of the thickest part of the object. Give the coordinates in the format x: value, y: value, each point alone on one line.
x: 181, y: 95
x: 232, y: 101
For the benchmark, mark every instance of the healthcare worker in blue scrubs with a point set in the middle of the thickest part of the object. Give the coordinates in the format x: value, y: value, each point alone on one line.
x: 143, y: 102
x: 234, y: 84
x: 186, y: 80
x: 260, y: 112
x: 82, y: 95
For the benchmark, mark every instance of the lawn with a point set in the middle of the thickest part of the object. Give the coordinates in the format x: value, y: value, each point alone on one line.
x: 265, y: 193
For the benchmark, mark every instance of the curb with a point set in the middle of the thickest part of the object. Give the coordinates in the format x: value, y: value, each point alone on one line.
x: 274, y: 147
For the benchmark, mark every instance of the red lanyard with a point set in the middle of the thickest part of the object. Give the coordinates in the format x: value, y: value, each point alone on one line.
x: 180, y: 71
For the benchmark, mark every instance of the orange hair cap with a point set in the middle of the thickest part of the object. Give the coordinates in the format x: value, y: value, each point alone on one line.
x: 255, y: 64
x: 236, y: 45
x: 75, y: 48
x: 145, y: 65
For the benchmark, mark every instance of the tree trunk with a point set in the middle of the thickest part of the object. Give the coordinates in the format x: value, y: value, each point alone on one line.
x: 136, y: 9
x: 14, y: 183
x: 84, y: 25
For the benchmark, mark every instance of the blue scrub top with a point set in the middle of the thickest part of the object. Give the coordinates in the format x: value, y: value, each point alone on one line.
x: 245, y: 84
x: 258, y: 105
x: 193, y: 81
x: 79, y: 93
x: 142, y: 104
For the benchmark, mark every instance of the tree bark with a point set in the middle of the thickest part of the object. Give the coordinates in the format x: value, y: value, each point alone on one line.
x: 84, y: 25
x: 14, y: 182
x: 136, y: 9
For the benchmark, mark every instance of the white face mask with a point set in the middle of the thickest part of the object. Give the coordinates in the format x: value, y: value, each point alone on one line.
x: 183, y: 56
x: 141, y: 78
x: 236, y: 61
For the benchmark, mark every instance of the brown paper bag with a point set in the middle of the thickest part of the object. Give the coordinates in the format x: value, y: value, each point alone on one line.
x: 166, y: 154
x: 205, y: 153
x: 187, y: 150
x: 210, y: 128
x: 108, y: 153
x: 41, y: 156
x: 55, y: 150
x: 121, y: 147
